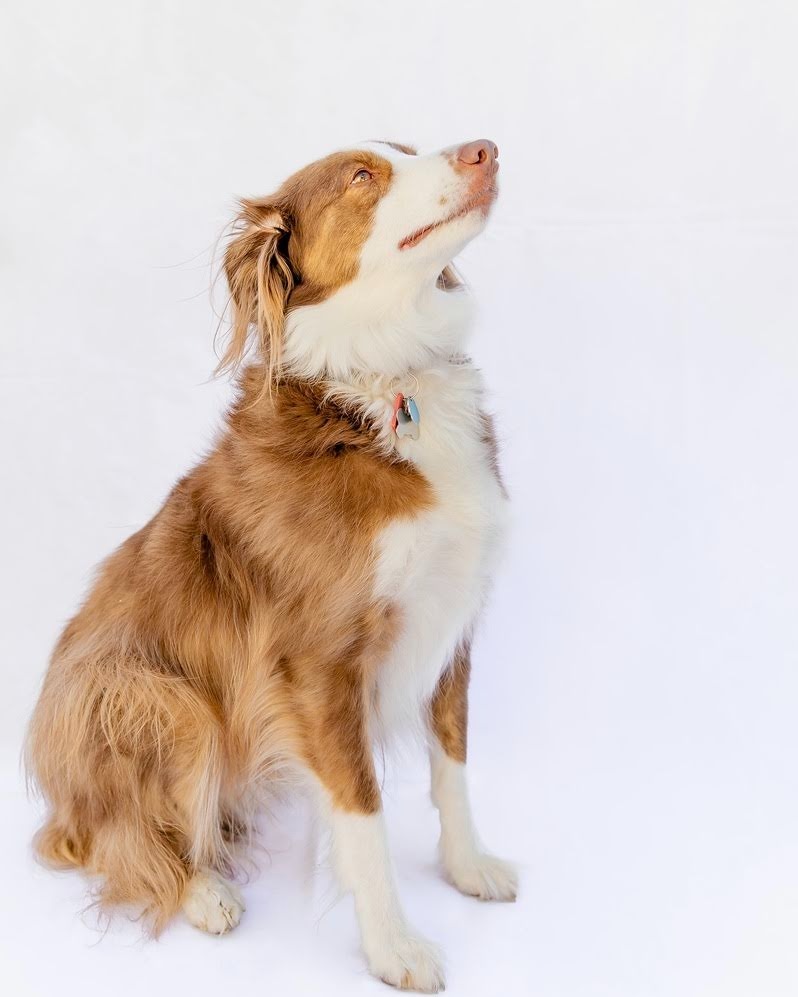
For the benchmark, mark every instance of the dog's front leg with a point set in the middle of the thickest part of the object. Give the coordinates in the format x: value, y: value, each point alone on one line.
x: 466, y: 863
x: 340, y: 754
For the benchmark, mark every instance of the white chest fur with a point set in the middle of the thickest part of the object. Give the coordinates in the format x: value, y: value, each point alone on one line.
x: 436, y: 567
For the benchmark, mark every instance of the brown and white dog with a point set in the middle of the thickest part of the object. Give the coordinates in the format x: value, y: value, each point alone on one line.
x: 310, y: 588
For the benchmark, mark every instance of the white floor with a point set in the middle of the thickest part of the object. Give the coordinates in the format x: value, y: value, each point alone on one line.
x: 643, y: 873
x: 296, y: 937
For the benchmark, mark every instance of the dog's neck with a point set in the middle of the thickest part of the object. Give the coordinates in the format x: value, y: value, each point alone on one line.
x: 379, y: 328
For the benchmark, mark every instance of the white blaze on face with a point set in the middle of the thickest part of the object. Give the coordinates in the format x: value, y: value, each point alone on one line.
x: 425, y: 191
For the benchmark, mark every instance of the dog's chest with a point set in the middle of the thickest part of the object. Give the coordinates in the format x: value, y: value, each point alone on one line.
x: 435, y: 567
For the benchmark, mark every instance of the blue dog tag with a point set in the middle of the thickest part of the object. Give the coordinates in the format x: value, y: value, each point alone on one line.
x: 407, y: 420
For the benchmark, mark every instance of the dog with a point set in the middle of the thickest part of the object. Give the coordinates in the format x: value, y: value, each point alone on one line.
x: 310, y: 589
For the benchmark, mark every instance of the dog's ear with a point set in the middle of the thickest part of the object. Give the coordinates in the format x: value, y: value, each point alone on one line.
x: 260, y: 278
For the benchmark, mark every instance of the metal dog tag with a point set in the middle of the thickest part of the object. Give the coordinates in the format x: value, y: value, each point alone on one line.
x: 406, y: 419
x: 406, y: 426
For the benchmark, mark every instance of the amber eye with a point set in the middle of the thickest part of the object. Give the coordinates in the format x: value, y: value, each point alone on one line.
x: 361, y: 177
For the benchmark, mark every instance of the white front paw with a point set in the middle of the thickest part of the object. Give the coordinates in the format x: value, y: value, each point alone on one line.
x: 408, y: 962
x: 481, y: 875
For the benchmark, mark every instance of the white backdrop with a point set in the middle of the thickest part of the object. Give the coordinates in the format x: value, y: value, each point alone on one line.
x: 634, y: 704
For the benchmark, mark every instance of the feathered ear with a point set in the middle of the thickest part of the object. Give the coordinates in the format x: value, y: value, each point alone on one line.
x: 260, y: 278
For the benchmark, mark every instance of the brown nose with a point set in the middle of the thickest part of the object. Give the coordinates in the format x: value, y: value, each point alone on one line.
x: 482, y: 153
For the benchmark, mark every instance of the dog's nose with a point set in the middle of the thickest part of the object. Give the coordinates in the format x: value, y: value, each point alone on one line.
x: 482, y: 152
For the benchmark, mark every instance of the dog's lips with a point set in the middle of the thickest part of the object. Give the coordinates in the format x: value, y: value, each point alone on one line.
x: 482, y: 202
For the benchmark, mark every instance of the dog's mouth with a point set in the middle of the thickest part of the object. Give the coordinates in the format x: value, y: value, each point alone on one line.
x: 482, y: 202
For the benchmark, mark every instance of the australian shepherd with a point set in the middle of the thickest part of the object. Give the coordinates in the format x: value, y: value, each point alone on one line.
x: 310, y: 589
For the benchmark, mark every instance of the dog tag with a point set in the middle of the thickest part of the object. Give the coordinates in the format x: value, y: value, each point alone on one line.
x: 398, y: 404
x: 406, y: 419
x: 405, y: 427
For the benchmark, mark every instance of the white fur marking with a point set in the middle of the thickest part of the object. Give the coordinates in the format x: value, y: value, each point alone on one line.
x: 394, y: 952
x: 437, y: 566
x: 471, y: 869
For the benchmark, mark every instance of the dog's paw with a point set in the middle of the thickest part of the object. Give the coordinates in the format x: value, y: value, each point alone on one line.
x: 409, y: 963
x: 484, y: 876
x: 212, y: 904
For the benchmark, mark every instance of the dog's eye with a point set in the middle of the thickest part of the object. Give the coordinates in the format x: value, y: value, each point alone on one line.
x: 361, y: 176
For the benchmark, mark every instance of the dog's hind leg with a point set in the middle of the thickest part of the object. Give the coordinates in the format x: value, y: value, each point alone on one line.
x: 130, y: 759
x: 211, y: 903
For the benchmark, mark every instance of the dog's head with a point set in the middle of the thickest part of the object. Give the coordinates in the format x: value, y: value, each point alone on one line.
x: 336, y: 259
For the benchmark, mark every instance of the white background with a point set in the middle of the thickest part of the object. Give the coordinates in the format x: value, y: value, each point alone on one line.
x: 634, y: 703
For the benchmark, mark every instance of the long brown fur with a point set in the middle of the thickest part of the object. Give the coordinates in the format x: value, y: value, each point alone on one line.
x: 232, y: 633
